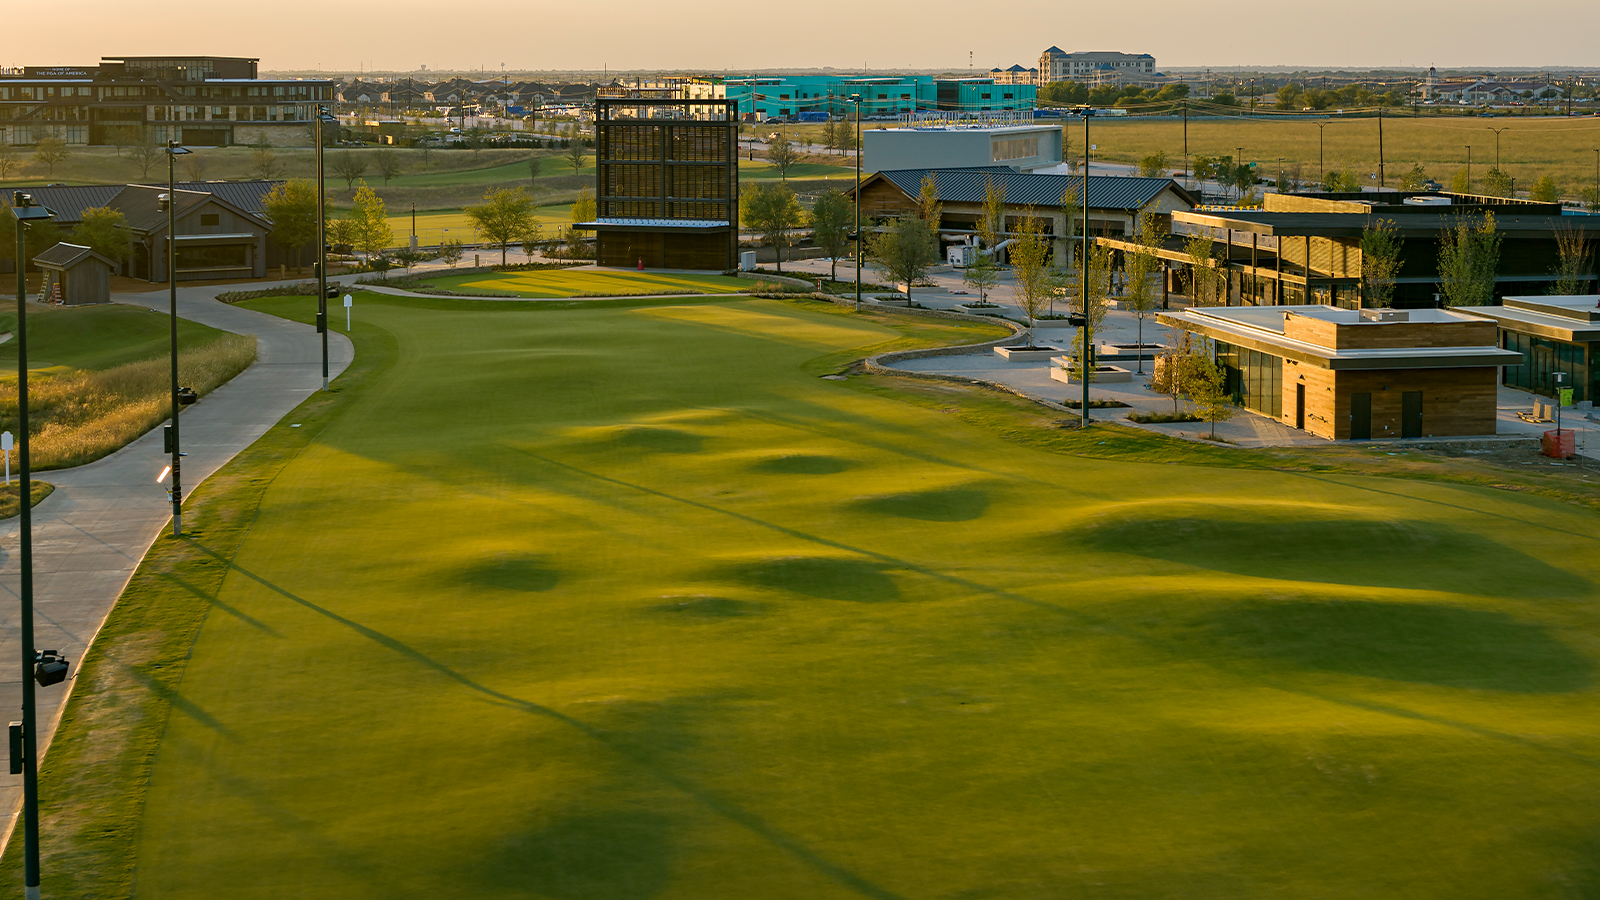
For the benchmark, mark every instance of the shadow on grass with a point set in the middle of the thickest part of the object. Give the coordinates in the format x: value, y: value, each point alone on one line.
x: 647, y: 762
x: 509, y: 573
x: 650, y: 440
x: 803, y: 465
x: 706, y: 607
x: 1446, y: 645
x: 954, y: 505
x: 823, y: 577
x: 1412, y: 555
x: 619, y: 855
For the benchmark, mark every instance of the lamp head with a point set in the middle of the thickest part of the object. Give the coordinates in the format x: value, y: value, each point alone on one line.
x: 174, y: 150
x: 25, y: 210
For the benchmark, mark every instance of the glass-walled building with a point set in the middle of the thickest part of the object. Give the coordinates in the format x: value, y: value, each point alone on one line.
x: 1551, y: 334
x: 209, y: 101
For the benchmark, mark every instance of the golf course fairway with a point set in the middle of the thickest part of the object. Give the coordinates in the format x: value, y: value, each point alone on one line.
x: 626, y: 602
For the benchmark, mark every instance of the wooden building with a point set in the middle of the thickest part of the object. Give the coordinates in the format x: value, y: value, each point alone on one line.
x: 75, y: 275
x: 666, y: 183
x: 1346, y: 374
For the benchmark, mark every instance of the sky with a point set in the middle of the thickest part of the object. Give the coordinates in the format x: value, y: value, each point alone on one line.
x: 402, y: 35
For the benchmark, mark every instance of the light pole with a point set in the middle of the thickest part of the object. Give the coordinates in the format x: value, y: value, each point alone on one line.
x: 1322, y: 170
x: 173, y: 152
x: 856, y: 99
x: 1469, y: 168
x: 33, y: 662
x: 1087, y: 350
x: 1497, y: 132
x: 322, y: 247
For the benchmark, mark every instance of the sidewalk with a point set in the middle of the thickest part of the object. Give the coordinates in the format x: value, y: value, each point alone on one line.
x: 90, y: 535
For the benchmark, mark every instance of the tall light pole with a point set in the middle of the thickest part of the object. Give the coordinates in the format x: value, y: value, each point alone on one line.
x: 26, y: 212
x: 1083, y: 277
x: 1322, y: 170
x: 1469, y: 168
x: 1596, y: 206
x: 1497, y: 132
x: 856, y: 99
x: 322, y: 248
x: 173, y: 152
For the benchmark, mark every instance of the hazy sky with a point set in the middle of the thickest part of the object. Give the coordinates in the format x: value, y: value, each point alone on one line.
x: 634, y: 34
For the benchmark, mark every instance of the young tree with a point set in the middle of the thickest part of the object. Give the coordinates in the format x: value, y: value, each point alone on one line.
x: 408, y: 257
x: 1460, y: 183
x: 450, y: 252
x: 1497, y: 183
x: 1575, y: 253
x: 103, y: 230
x: 1207, y: 386
x: 904, y: 251
x: 1342, y: 181
x: 532, y: 239
x: 782, y: 155
x: 119, y: 136
x: 1380, y: 261
x: 772, y: 210
x: 1071, y: 207
x: 1545, y: 190
x: 144, y: 151
x: 1200, y: 276
x: 1143, y: 298
x: 1032, y: 273
x: 992, y: 220
x: 929, y: 209
x: 574, y: 157
x: 51, y: 151
x: 1154, y: 165
x: 8, y: 162
x: 831, y: 218
x: 1469, y: 254
x: 369, y: 221
x: 1094, y: 285
x: 503, y: 218
x: 583, y: 209
x: 388, y: 163
x: 534, y: 164
x: 292, y: 207
x: 264, y: 163
x: 349, y: 166
x: 982, y: 275
x: 1414, y: 180
x: 1170, y: 375
x: 196, y: 164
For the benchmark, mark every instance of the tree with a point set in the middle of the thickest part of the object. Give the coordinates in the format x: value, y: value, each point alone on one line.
x: 349, y: 166
x: 1207, y: 385
x: 1497, y: 183
x: 1032, y: 272
x: 574, y: 156
x: 1094, y: 284
x: 1070, y: 207
x: 264, y: 163
x: 503, y: 218
x: 120, y: 136
x: 196, y: 165
x: 103, y: 230
x: 388, y: 164
x: 772, y: 210
x: 534, y: 164
x: 782, y: 155
x: 1574, y: 254
x: 1591, y: 199
x: 144, y: 151
x: 1200, y: 276
x: 1380, y: 261
x: 982, y: 275
x: 450, y: 252
x: 1545, y: 190
x: 1415, y: 180
x: 1469, y: 254
x: 831, y: 218
x: 369, y: 221
x: 904, y: 251
x: 583, y: 209
x: 51, y: 151
x: 929, y: 209
x: 1170, y: 375
x: 532, y: 239
x: 1154, y: 165
x: 1460, y: 183
x: 1342, y: 181
x: 8, y: 161
x: 408, y: 257
x: 1141, y: 264
x: 991, y: 224
x: 292, y: 207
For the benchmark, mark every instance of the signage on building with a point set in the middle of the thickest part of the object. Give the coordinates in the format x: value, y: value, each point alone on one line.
x: 57, y: 72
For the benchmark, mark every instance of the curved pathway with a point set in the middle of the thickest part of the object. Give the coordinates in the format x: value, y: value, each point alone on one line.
x: 90, y: 535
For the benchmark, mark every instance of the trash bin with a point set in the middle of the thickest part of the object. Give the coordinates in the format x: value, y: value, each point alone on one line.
x: 1558, y: 444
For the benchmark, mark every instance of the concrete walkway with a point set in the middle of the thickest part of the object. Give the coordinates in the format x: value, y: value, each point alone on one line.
x: 90, y: 535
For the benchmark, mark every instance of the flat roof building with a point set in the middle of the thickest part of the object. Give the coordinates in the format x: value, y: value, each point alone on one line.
x: 1346, y: 374
x: 1550, y: 334
x: 1020, y: 145
x: 890, y: 96
x: 210, y: 101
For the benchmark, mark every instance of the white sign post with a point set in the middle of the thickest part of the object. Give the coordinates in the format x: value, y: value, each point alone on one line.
x: 348, y: 302
x: 6, y: 443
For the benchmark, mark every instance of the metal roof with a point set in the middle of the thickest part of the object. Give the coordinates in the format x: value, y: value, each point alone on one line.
x: 69, y: 202
x: 1351, y: 224
x: 246, y: 195
x: 65, y: 256
x: 967, y: 185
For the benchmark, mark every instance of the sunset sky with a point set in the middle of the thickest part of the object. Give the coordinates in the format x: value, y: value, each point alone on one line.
x: 631, y: 34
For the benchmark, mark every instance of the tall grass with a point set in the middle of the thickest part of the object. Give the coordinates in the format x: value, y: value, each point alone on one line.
x: 79, y: 416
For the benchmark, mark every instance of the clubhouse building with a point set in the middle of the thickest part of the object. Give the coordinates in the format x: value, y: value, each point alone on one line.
x: 1347, y: 374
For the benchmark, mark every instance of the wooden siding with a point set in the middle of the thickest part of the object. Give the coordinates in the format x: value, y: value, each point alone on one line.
x: 1456, y: 402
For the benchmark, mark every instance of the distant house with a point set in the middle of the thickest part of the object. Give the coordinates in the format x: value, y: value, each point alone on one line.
x: 75, y: 275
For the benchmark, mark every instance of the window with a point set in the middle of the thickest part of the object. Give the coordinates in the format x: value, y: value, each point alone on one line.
x: 233, y: 257
x: 211, y: 220
x: 1254, y: 379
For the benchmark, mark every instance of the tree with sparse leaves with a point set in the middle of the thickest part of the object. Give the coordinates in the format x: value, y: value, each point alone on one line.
x: 1207, y: 385
x: 450, y: 252
x: 1469, y: 255
x: 51, y: 151
x: 8, y: 162
x: 574, y: 157
x: 1032, y: 270
x: 1574, y: 256
x: 349, y: 166
x: 369, y: 222
x: 991, y: 224
x: 1416, y: 179
x: 982, y: 275
x: 388, y: 163
x: 1141, y: 264
x: 145, y: 151
x: 1380, y: 261
x: 904, y: 251
x: 831, y: 219
x: 264, y: 164
x: 782, y: 155
x: 772, y: 210
x: 503, y: 218
x: 1201, y: 279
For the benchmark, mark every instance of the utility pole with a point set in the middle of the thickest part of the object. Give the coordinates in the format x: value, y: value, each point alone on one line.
x: 1380, y: 147
x: 1087, y: 350
x: 1186, y: 139
x: 1469, y: 168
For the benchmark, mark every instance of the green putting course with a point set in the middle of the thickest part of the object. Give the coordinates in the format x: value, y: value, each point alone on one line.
x: 623, y: 601
x: 558, y: 283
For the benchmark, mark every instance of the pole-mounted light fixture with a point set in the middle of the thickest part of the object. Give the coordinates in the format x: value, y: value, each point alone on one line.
x: 169, y: 201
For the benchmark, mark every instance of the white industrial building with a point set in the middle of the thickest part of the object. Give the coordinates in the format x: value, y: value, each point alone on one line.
x: 1022, y: 146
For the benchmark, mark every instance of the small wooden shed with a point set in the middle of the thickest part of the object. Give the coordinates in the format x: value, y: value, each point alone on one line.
x: 75, y: 275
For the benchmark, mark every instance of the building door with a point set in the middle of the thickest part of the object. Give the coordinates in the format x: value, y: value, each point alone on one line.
x: 1411, y: 414
x: 1543, y: 365
x: 1300, y: 406
x: 1360, y: 417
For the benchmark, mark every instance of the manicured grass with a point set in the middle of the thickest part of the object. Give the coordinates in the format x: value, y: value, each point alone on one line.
x: 620, y: 600
x: 436, y: 226
x: 509, y: 175
x: 99, y: 337
x: 11, y: 495
x: 555, y: 283
x: 760, y: 170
